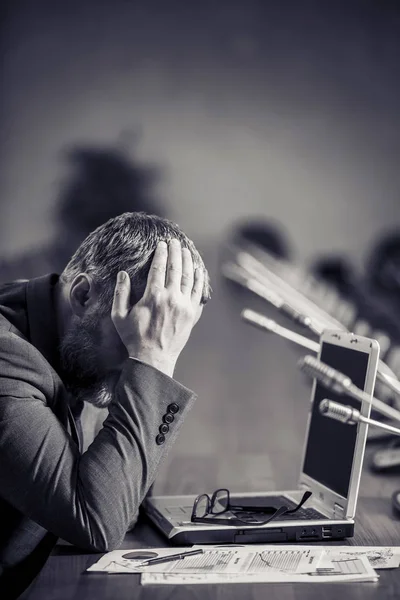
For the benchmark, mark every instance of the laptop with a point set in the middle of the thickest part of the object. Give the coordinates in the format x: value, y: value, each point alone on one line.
x: 331, y: 470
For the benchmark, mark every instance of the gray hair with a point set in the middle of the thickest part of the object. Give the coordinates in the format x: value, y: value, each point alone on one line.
x: 127, y: 243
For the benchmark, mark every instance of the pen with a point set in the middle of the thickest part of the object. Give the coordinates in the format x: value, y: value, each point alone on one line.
x: 163, y: 559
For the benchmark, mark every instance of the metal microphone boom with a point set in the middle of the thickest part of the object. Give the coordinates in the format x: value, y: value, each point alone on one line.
x: 350, y: 415
x: 342, y: 384
x: 258, y: 320
x: 252, y: 275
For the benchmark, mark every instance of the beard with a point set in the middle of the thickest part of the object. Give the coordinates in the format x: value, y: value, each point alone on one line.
x: 83, y: 373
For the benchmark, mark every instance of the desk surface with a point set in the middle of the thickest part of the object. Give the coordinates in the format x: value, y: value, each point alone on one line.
x: 245, y: 432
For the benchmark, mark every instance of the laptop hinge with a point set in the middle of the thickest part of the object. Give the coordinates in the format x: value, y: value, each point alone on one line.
x: 338, y: 510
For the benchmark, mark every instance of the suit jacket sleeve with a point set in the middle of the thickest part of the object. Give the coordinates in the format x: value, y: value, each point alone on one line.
x: 90, y: 499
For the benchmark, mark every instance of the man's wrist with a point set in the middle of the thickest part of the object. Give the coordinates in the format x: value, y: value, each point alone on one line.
x: 160, y: 363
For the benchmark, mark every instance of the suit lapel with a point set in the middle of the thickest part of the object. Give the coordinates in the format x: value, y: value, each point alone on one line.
x: 42, y: 322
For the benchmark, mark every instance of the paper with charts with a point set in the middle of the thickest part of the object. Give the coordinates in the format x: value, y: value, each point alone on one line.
x: 224, y: 564
x: 380, y: 557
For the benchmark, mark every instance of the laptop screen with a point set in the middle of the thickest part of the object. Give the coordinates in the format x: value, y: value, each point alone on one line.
x: 331, y: 444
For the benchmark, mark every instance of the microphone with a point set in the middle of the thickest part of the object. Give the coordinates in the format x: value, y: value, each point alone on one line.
x: 350, y: 415
x: 341, y: 384
x: 262, y: 322
x: 255, y: 276
x: 328, y: 376
x: 339, y: 412
x: 239, y: 275
x: 267, y: 275
x: 258, y: 320
x: 299, y: 318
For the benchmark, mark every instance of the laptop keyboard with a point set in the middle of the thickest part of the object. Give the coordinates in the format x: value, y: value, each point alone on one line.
x: 308, y: 514
x: 277, y: 501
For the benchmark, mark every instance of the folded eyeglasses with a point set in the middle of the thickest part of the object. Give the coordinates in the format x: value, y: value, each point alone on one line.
x: 206, y: 508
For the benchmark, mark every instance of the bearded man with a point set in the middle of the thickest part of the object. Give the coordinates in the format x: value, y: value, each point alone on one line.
x: 107, y: 331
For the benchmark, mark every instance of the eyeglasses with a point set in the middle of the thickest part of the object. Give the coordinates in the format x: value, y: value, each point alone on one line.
x: 205, y: 508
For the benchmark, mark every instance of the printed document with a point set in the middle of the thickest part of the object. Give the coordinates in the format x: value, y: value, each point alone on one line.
x: 331, y: 569
x: 216, y: 559
x: 243, y: 563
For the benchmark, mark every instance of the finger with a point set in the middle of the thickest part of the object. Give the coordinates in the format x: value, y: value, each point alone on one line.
x: 122, y: 292
x: 187, y: 272
x: 156, y: 276
x: 197, y: 291
x: 174, y: 265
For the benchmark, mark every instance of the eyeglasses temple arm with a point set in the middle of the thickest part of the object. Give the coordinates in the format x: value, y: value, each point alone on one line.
x: 304, y: 499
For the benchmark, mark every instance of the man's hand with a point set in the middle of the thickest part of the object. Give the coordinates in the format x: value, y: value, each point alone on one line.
x: 156, y: 329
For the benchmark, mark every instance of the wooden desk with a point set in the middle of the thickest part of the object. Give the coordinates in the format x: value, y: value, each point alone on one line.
x: 63, y: 576
x: 245, y: 432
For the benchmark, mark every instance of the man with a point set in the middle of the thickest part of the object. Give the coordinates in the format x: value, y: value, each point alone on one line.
x: 108, y: 331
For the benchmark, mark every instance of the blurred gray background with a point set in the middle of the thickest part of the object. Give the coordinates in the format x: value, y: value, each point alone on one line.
x: 283, y: 109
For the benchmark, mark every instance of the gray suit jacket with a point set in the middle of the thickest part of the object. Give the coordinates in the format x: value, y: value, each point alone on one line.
x: 47, y: 487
